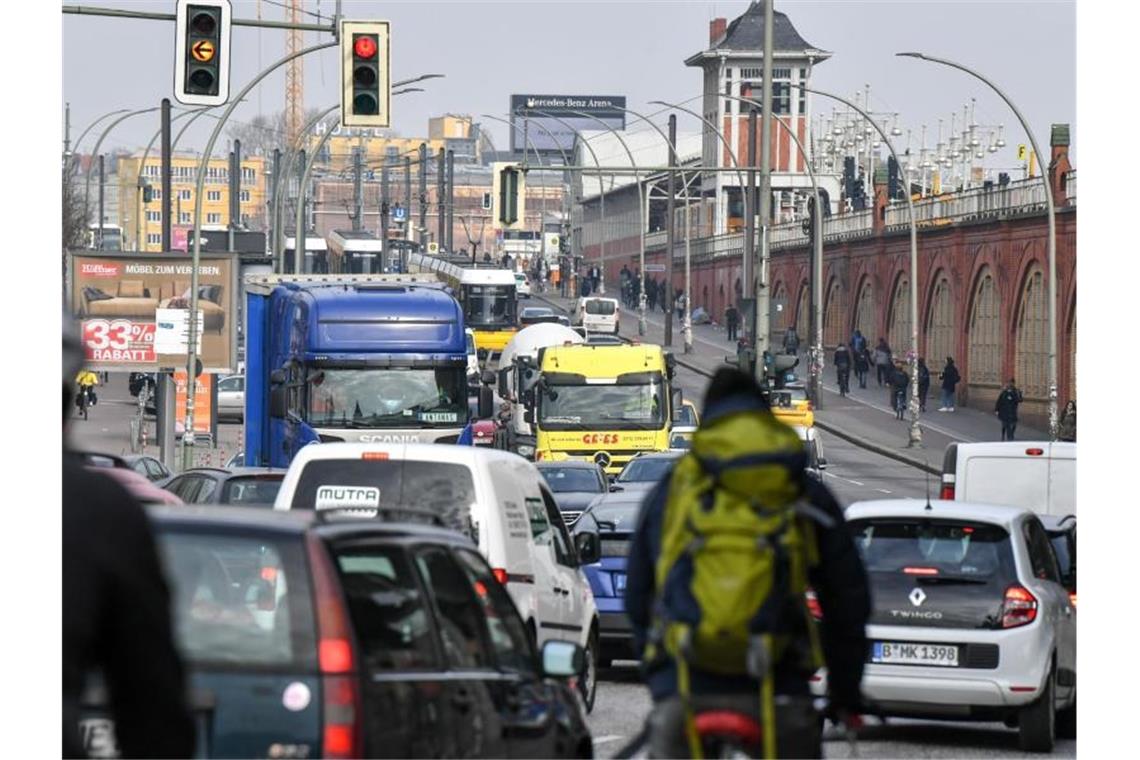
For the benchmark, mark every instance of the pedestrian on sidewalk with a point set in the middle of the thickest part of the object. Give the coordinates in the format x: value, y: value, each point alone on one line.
x: 792, y: 342
x: 858, y: 343
x: 1006, y: 409
x: 899, y: 383
x: 862, y: 360
x: 842, y: 361
x: 950, y: 378
x: 883, y: 365
x: 651, y: 293
x: 1067, y: 430
x: 731, y: 318
x: 923, y: 383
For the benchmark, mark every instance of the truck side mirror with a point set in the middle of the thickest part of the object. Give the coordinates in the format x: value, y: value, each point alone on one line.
x: 486, y: 402
x: 277, y: 377
x: 528, y: 417
x: 488, y: 377
x: 277, y: 403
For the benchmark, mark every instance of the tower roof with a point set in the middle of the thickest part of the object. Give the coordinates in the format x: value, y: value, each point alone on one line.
x: 746, y: 34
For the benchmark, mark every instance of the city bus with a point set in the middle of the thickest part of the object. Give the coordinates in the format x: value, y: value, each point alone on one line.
x: 111, y: 239
x: 316, y: 254
x: 357, y: 252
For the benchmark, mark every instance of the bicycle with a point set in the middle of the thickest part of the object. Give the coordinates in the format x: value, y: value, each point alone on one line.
x: 84, y: 399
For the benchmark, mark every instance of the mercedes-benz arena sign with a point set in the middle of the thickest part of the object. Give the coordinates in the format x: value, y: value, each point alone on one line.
x: 552, y: 119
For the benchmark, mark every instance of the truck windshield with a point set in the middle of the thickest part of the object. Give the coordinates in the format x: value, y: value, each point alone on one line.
x: 602, y: 407
x: 490, y: 306
x: 387, y: 398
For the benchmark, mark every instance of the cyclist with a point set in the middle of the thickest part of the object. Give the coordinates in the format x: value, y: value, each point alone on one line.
x: 86, y: 380
x: 736, y: 418
x: 843, y: 368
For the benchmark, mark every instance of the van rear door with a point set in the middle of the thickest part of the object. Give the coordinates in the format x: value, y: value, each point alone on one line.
x: 1062, y: 480
x: 1013, y: 477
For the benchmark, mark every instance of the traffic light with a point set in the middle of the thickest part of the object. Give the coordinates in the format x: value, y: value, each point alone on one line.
x: 202, y: 52
x: 148, y: 193
x: 508, y: 196
x: 849, y: 177
x: 894, y: 186
x: 365, y: 74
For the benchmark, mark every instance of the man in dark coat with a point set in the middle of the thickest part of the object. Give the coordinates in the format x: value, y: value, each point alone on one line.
x: 923, y: 383
x: 842, y: 363
x: 899, y: 381
x: 950, y: 378
x: 1006, y: 409
x: 731, y: 322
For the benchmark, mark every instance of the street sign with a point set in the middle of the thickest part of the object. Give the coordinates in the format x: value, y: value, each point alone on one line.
x: 433, y: 247
x: 654, y: 267
x: 399, y: 213
x: 1022, y: 152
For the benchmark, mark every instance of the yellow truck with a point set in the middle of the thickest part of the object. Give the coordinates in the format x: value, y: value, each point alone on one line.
x: 603, y: 403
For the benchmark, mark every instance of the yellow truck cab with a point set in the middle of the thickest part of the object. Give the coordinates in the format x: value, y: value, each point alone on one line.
x: 603, y: 403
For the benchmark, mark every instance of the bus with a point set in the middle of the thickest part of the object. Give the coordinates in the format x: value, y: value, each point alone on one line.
x: 359, y: 252
x: 111, y: 238
x: 488, y: 296
x: 316, y: 254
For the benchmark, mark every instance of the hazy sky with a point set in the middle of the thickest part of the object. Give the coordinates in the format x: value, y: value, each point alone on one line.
x: 489, y: 50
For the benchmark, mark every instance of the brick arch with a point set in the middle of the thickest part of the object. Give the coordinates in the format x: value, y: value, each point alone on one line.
x: 779, y: 310
x: 863, y: 311
x: 1031, y: 334
x: 898, y: 315
x: 939, y: 319
x: 985, y: 336
x: 803, y: 305
x: 834, y: 327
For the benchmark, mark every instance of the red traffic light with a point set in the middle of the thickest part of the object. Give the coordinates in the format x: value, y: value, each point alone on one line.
x: 364, y: 46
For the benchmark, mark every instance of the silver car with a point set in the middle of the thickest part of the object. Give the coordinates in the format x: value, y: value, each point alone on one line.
x: 970, y: 619
x: 231, y: 398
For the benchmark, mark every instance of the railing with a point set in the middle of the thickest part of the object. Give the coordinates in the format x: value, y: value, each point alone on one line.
x: 1017, y: 198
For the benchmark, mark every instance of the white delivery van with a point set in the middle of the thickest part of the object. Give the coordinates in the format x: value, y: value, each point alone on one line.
x: 497, y: 498
x: 1037, y: 475
x: 597, y: 314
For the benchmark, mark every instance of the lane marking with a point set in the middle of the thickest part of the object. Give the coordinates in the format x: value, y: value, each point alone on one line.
x: 607, y: 739
x: 882, y: 490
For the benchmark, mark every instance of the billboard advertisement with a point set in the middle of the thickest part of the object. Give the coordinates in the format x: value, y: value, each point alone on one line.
x: 546, y: 123
x: 117, y: 300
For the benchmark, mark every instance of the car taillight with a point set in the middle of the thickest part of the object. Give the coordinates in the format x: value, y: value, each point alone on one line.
x: 341, y: 736
x: 1018, y: 608
x: 1073, y: 598
x: 500, y: 575
x: 813, y: 605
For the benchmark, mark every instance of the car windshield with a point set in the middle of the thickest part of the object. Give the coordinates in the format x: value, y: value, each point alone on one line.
x: 933, y: 548
x: 646, y: 469
x: 489, y: 306
x: 686, y: 416
x: 387, y: 398
x: 602, y: 407
x: 564, y: 479
x: 238, y: 600
x: 254, y: 489
x: 442, y: 489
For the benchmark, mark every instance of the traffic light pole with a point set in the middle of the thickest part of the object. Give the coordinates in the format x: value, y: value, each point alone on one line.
x: 302, y: 228
x: 407, y: 197
x: 761, y: 336
x: 423, y: 195
x: 670, y: 234
x: 192, y: 347
x: 441, y: 200
x: 384, y: 210
x: 357, y: 189
x: 283, y: 184
x: 450, y: 229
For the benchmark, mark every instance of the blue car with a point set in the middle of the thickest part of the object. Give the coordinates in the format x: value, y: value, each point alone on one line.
x: 614, y: 517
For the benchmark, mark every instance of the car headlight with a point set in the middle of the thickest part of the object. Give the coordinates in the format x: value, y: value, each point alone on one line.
x: 525, y: 450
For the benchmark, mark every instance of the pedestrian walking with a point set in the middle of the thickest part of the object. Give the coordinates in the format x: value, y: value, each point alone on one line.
x: 731, y: 318
x: 1006, y: 409
x: 899, y: 383
x: 862, y: 361
x: 858, y: 342
x: 950, y: 378
x: 883, y: 366
x: 923, y: 383
x: 1067, y: 430
x: 791, y: 341
x: 651, y: 293
x: 842, y: 361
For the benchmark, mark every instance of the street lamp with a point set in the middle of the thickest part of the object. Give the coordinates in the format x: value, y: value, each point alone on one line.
x: 1052, y: 244
x: 915, y: 440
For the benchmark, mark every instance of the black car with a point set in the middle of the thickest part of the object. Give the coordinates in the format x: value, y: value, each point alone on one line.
x: 575, y: 484
x: 1062, y: 532
x: 533, y: 315
x: 312, y: 637
x: 646, y: 469
x: 237, y: 485
x: 149, y: 467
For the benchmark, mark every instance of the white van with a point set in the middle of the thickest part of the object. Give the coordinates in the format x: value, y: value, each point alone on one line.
x: 1037, y: 475
x: 597, y: 314
x: 497, y: 498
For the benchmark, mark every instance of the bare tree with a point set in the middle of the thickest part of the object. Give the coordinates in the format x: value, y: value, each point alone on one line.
x: 264, y: 133
x: 75, y: 216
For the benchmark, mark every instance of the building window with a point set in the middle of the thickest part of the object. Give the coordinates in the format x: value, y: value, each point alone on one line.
x: 898, y: 329
x: 213, y: 218
x: 781, y: 97
x: 834, y: 331
x: 154, y: 216
x: 1033, y: 338
x: 803, y: 93
x: 751, y: 73
x: 185, y: 218
x: 865, y: 310
x: 940, y: 325
x: 248, y: 175
x: 184, y: 195
x: 213, y: 195
x: 157, y: 195
x: 983, y: 363
x: 243, y: 196
x: 245, y: 219
x: 728, y: 73
x: 154, y: 238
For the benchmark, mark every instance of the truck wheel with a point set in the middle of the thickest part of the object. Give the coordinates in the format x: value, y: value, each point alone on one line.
x: 1036, y: 722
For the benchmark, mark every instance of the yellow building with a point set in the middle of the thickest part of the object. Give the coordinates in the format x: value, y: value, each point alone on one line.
x: 380, y: 145
x: 142, y: 222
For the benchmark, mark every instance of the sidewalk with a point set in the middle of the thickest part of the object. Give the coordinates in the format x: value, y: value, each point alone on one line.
x: 864, y: 417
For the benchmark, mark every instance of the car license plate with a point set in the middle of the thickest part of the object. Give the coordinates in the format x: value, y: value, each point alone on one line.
x: 906, y: 653
x: 619, y: 583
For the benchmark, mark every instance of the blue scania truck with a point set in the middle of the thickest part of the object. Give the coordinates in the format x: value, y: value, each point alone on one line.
x: 358, y: 358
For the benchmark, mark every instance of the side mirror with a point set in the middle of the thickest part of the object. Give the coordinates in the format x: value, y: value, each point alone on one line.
x: 678, y: 398
x: 589, y: 547
x: 562, y: 659
x: 277, y: 404
x: 528, y: 417
x: 482, y: 354
x: 277, y: 377
x: 504, y: 389
x: 822, y: 464
x: 486, y: 402
x: 488, y: 377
